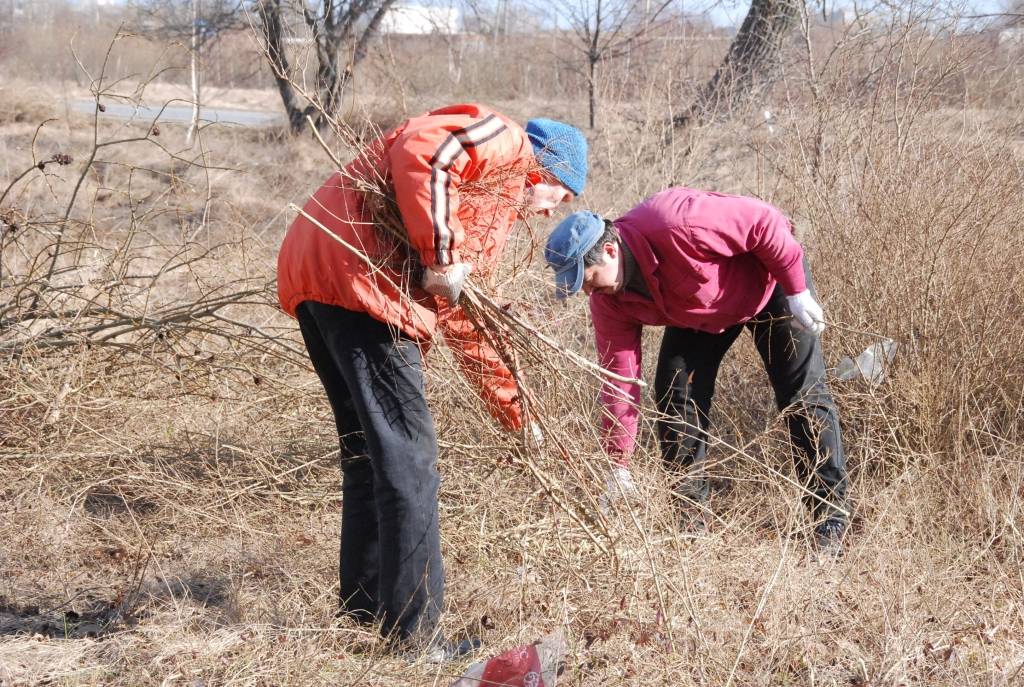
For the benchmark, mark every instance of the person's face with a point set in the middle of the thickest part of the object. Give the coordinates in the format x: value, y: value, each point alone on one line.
x: 545, y: 196
x: 606, y: 275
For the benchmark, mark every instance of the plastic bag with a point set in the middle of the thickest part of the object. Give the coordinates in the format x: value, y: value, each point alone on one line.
x: 530, y: 665
x: 870, y: 364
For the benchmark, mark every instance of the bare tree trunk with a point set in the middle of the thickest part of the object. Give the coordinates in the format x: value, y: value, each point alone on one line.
x: 331, y: 35
x: 194, y: 123
x: 592, y: 91
x: 749, y: 64
x: 273, y: 31
x: 332, y: 89
x: 594, y: 56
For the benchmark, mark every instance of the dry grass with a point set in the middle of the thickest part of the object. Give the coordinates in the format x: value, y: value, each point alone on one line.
x: 170, y: 503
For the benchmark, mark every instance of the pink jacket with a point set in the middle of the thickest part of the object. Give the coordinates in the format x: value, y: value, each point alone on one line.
x: 710, y: 261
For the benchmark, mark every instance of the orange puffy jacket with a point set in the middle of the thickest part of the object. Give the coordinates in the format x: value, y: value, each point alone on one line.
x: 458, y: 175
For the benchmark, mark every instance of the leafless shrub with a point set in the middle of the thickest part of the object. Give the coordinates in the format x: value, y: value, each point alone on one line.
x: 170, y: 502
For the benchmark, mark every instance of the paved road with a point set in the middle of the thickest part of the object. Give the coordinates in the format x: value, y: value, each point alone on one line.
x: 178, y: 113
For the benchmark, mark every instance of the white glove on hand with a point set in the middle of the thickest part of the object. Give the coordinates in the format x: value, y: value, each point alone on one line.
x: 807, y: 314
x: 446, y: 282
x: 618, y: 485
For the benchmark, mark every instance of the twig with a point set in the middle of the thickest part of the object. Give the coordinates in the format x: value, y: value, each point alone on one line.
x: 757, y: 614
x: 483, y: 302
x: 576, y: 358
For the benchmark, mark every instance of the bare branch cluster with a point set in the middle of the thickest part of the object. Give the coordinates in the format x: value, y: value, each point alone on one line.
x: 336, y: 33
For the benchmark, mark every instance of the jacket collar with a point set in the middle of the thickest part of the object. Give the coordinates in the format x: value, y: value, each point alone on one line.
x: 646, y: 265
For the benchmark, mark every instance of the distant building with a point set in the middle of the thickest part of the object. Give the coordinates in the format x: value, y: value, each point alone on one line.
x: 417, y: 20
x: 16, y: 8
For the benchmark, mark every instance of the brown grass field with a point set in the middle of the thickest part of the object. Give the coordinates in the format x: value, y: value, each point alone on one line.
x: 169, y: 491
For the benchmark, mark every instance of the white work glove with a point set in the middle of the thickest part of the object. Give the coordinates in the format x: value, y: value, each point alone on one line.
x: 446, y: 282
x: 618, y: 485
x: 807, y: 314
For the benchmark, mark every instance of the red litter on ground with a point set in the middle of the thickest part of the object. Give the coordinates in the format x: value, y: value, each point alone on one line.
x: 530, y: 665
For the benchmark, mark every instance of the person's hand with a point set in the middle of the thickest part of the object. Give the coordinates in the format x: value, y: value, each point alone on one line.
x: 618, y: 485
x: 807, y: 314
x: 446, y: 281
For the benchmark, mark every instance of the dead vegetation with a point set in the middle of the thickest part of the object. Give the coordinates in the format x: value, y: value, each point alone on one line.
x: 169, y: 485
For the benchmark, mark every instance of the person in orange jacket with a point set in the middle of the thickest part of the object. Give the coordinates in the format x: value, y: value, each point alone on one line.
x: 460, y: 177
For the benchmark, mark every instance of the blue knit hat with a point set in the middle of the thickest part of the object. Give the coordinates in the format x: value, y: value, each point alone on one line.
x: 568, y: 243
x: 562, y: 150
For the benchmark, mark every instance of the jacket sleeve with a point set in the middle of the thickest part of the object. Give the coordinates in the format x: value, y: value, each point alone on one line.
x: 619, y: 350
x: 428, y: 165
x: 482, y: 367
x: 748, y: 225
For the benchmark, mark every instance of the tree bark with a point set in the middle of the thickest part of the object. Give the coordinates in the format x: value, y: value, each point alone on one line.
x: 333, y: 31
x: 193, y: 125
x: 750, y: 64
x: 360, y: 50
x: 270, y: 21
x: 592, y: 91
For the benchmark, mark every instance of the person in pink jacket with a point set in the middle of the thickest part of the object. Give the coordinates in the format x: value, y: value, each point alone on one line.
x: 705, y: 266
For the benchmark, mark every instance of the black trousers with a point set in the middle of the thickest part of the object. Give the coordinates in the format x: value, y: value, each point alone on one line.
x: 391, y: 567
x: 685, y: 384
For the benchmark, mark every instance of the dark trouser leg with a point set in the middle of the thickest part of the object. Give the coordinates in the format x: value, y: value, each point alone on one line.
x: 383, y: 373
x: 683, y: 387
x: 796, y: 369
x: 360, y: 553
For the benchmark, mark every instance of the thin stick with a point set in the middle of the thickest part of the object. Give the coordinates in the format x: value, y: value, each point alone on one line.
x: 757, y: 614
x: 469, y: 288
x: 550, y: 343
x: 538, y: 474
x: 485, y: 300
x: 323, y: 144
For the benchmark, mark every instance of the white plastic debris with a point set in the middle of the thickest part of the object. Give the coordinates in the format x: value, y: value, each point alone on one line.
x: 768, y: 119
x: 619, y: 485
x: 870, y: 364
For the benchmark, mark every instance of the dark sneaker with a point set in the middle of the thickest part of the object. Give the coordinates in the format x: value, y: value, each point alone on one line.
x: 828, y: 538
x: 442, y: 651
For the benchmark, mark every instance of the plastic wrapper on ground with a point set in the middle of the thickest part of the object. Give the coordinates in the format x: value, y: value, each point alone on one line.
x: 530, y: 665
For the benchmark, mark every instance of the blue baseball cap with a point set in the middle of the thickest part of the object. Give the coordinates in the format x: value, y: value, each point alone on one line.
x: 568, y: 243
x: 562, y: 150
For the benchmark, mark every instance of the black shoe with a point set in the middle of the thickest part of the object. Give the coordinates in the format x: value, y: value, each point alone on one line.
x: 443, y: 651
x: 828, y: 538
